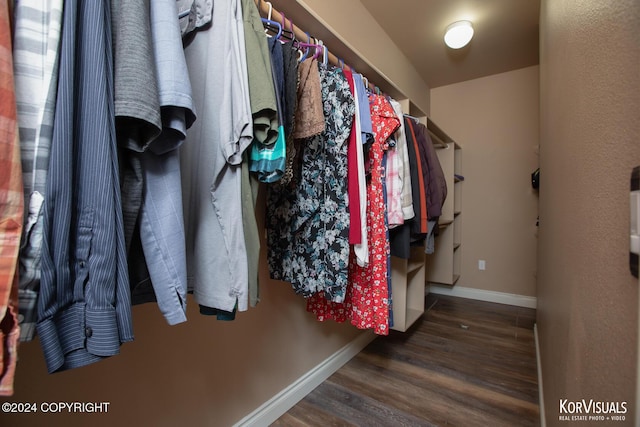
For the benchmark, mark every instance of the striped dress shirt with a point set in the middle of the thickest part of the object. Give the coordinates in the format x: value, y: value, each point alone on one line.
x: 84, y: 307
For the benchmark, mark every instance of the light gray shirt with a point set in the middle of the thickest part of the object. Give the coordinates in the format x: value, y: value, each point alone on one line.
x: 161, y: 221
x: 211, y: 161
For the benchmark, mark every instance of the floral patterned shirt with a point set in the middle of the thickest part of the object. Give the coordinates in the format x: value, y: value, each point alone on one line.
x: 308, y: 220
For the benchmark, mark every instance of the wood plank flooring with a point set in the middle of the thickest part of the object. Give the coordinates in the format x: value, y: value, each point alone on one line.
x: 464, y: 363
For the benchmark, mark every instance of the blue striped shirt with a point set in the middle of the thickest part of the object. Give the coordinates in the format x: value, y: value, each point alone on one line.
x: 84, y: 308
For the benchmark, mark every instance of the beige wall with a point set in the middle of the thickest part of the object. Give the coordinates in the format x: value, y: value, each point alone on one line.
x: 495, y: 120
x: 206, y: 372
x: 590, y: 140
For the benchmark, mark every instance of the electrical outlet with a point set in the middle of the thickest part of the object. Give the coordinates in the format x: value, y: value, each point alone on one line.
x: 482, y: 265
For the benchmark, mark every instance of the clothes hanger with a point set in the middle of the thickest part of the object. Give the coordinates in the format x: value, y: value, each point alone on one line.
x: 325, y: 55
x: 415, y: 119
x: 289, y: 34
x: 306, y: 51
x: 306, y: 46
x: 319, y: 51
x: 272, y: 26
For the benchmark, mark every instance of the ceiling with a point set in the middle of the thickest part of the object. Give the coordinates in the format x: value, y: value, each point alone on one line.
x: 505, y: 39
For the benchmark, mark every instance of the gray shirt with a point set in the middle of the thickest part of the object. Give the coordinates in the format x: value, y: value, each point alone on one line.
x: 161, y: 221
x: 211, y: 161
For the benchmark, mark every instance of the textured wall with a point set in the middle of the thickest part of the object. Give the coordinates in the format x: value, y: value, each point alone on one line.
x: 495, y: 120
x: 589, y: 142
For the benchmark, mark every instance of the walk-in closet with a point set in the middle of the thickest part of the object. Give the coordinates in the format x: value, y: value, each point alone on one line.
x: 316, y: 212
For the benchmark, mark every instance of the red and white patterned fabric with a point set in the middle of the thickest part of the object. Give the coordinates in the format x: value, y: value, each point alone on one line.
x: 11, y: 209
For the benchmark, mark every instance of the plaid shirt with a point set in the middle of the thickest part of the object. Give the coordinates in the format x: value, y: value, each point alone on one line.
x: 11, y: 209
x: 404, y: 173
x: 393, y: 185
x: 35, y: 60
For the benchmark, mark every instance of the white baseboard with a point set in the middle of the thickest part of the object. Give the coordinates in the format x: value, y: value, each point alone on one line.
x: 279, y: 404
x: 484, y: 295
x: 543, y: 417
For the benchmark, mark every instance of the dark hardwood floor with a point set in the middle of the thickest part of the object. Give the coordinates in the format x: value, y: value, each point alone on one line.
x: 465, y: 363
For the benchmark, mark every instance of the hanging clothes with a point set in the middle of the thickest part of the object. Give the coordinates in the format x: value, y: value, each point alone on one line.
x: 36, y: 83
x: 290, y: 105
x: 161, y: 224
x: 194, y: 15
x: 309, y: 118
x: 84, y: 308
x: 393, y: 185
x: 370, y: 284
x: 262, y: 100
x: 419, y: 186
x: 385, y: 193
x: 435, y: 182
x: 268, y: 155
x: 11, y: 210
x: 355, y: 223
x: 316, y: 255
x: 400, y: 235
x: 364, y: 135
x: 309, y: 121
x: 436, y: 191
x: 137, y: 111
x: 401, y: 195
x: 290, y: 88
x: 367, y: 300
x: 211, y: 160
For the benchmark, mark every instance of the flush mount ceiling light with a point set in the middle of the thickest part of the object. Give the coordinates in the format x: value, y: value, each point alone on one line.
x: 458, y: 34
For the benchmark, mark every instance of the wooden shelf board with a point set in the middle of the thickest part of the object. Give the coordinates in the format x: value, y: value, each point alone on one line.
x: 454, y: 278
x: 445, y: 223
x: 411, y: 316
x: 414, y: 266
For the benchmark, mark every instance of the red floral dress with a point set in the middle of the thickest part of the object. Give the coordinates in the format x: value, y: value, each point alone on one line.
x: 367, y: 300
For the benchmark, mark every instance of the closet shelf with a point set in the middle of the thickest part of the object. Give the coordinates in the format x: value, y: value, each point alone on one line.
x: 453, y: 281
x: 441, y: 136
x: 444, y: 264
x: 414, y: 266
x: 412, y: 316
x: 437, y: 142
x: 408, y: 280
x: 445, y: 223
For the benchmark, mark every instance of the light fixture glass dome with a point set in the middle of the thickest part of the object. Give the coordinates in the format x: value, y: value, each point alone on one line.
x: 458, y: 34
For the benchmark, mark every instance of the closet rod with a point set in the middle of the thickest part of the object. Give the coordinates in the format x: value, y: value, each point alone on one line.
x: 264, y: 8
x: 414, y: 118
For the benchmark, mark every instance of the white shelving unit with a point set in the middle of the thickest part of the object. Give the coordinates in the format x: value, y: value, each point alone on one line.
x: 443, y: 266
x: 407, y: 281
